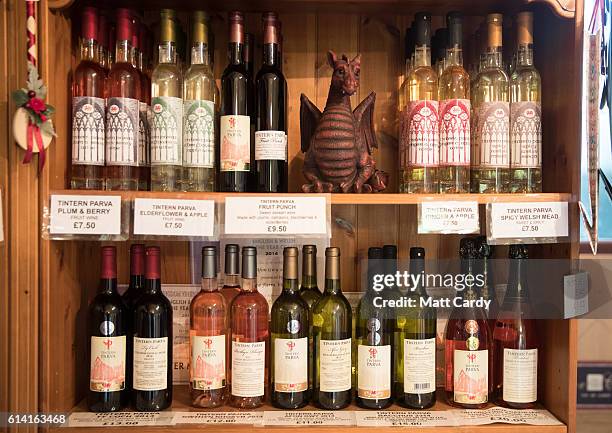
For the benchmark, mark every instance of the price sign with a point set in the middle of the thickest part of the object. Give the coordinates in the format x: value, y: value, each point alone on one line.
x: 448, y: 217
x: 528, y: 220
x: 402, y: 418
x: 276, y: 215
x: 309, y: 417
x: 167, y: 217
x: 85, y: 215
x: 248, y: 418
x: 120, y: 419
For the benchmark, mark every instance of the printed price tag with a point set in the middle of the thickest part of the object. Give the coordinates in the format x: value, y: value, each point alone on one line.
x: 85, y: 214
x: 398, y: 418
x: 276, y: 216
x: 528, y: 220
x: 576, y: 294
x: 167, y: 217
x: 503, y: 415
x: 309, y: 417
x: 249, y: 418
x: 448, y: 217
x: 120, y: 419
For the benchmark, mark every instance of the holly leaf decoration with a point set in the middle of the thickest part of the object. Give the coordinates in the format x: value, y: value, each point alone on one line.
x: 47, y: 127
x: 35, y: 83
x: 20, y: 97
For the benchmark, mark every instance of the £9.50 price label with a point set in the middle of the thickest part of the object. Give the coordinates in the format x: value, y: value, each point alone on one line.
x: 448, y: 217
x: 528, y: 220
x: 85, y: 215
x: 169, y: 217
x: 276, y: 215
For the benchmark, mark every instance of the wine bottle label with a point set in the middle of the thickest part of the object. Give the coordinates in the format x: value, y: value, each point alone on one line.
x: 150, y: 364
x: 122, y: 127
x: 419, y: 366
x: 491, y: 144
x: 454, y: 128
x: 88, y: 130
x: 235, y: 143
x: 166, y: 131
x: 374, y: 372
x: 270, y: 145
x: 107, y: 369
x: 248, y: 369
x: 520, y: 376
x: 198, y: 133
x: 471, y: 376
x: 207, y: 362
x: 144, y: 144
x: 526, y: 134
x: 335, y: 365
x: 419, y: 136
x: 290, y: 364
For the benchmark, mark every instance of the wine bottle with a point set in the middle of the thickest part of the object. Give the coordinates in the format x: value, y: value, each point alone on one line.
x: 516, y: 340
x: 374, y: 342
x: 236, y: 111
x: 137, y: 276
x: 309, y: 289
x: 122, y: 111
x: 249, y: 53
x: 167, y: 110
x: 271, y: 132
x: 108, y: 327
x: 249, y: 324
x: 231, y: 281
x: 208, y: 338
x: 454, y: 114
x: 468, y: 343
x: 331, y: 324
x: 199, y: 113
x: 144, y: 140
x: 525, y: 114
x: 418, y: 388
x: 419, y: 138
x: 289, y: 340
x: 438, y: 50
x: 103, y: 38
x: 485, y: 268
x: 152, y: 341
x: 87, y: 170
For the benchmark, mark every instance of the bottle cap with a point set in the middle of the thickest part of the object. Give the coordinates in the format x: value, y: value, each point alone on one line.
x: 389, y: 251
x: 109, y: 263
x: 232, y: 259
x: 309, y: 260
x: 417, y: 253
x: 199, y: 27
x: 454, y: 22
x: 137, y: 259
x: 332, y: 263
x: 467, y: 249
x: 152, y: 269
x: 423, y: 29
x: 103, y: 29
x: 249, y: 262
x: 524, y: 21
x: 209, y: 262
x: 485, y: 251
x: 494, y: 29
x: 89, y: 23
x: 270, y: 28
x: 439, y: 43
x: 124, y: 24
x: 167, y: 26
x: 290, y: 263
x: 518, y: 252
x: 236, y: 28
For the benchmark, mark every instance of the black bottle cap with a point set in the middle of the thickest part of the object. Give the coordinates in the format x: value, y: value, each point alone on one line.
x: 423, y: 29
x: 467, y: 248
x: 389, y: 251
x: 485, y: 251
x: 417, y: 253
x: 409, y: 43
x: 438, y: 44
x: 454, y: 22
x: 249, y: 262
x: 231, y: 259
x: 375, y: 253
x: 209, y: 262
x: 518, y: 252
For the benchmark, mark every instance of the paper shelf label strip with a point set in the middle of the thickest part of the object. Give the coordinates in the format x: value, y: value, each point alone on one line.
x: 85, y: 215
x: 458, y: 217
x: 174, y: 217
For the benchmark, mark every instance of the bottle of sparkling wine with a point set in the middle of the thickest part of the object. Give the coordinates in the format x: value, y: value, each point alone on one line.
x: 137, y: 276
x: 309, y: 289
x: 152, y: 341
x: 374, y: 342
x: 108, y: 321
x: 208, y: 338
x: 249, y: 325
x: 231, y: 281
x: 331, y: 324
x: 289, y: 340
x: 516, y: 340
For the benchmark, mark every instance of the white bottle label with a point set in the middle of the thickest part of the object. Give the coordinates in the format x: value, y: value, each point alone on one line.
x: 122, y: 127
x: 419, y: 366
x: 150, y: 364
x: 144, y: 138
x: 471, y: 376
x: 270, y: 145
x: 374, y: 368
x: 107, y: 369
x: 335, y: 365
x: 290, y: 364
x: 491, y: 146
x: 88, y: 130
x: 526, y: 134
x: 454, y: 128
x: 419, y: 136
x: 166, y: 131
x: 520, y: 375
x: 207, y: 362
x: 248, y: 369
x: 199, y: 133
x: 235, y: 143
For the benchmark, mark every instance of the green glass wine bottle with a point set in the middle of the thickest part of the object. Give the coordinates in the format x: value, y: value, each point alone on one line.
x: 309, y: 290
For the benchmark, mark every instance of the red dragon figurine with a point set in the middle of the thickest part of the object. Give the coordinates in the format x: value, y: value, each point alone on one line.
x: 338, y: 142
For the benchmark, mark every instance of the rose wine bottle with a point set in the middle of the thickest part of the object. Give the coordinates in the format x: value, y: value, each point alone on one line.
x: 516, y: 340
x: 332, y: 329
x: 208, y: 338
x: 485, y: 268
x: 88, y: 109
x: 249, y: 325
x: 122, y: 111
x: 152, y: 341
x: 289, y: 352
x: 137, y: 276
x: 231, y: 281
x: 108, y: 327
x: 468, y: 344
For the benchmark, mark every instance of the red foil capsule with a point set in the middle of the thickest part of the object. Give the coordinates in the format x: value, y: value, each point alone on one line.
x: 137, y: 259
x: 124, y: 24
x: 103, y: 30
x: 89, y: 23
x: 109, y: 263
x: 270, y: 28
x: 152, y: 270
x: 236, y: 33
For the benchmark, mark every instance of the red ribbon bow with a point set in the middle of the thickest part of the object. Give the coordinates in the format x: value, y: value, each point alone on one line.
x: 34, y: 133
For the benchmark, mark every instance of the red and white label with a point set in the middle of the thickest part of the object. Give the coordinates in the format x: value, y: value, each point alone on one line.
x: 455, y: 132
x: 419, y: 139
x: 471, y: 376
x: 526, y: 134
x: 207, y: 362
x: 107, y: 369
x: 491, y: 145
x: 235, y: 143
x: 374, y: 372
x: 150, y: 364
x: 290, y: 364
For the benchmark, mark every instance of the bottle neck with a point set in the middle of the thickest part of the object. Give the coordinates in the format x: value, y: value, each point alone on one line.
x: 517, y: 287
x: 141, y: 61
x: 153, y: 286
x: 309, y: 271
x: 108, y: 286
x: 135, y: 57
x: 199, y: 54
x: 231, y: 280
x: 417, y: 269
x: 468, y: 267
x: 249, y: 285
x: 236, y: 53
x: 422, y: 56
x: 454, y: 57
x: 167, y: 52
x: 332, y: 287
x: 123, y: 52
x: 90, y: 50
x: 494, y: 58
x: 137, y: 280
x: 271, y: 55
x: 525, y: 55
x: 290, y: 286
x: 209, y: 284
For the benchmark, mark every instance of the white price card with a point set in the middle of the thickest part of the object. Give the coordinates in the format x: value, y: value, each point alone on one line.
x: 248, y: 418
x: 575, y: 294
x: 404, y: 418
x: 289, y: 215
x: 528, y: 220
x: 169, y: 217
x: 120, y: 419
x: 85, y: 214
x: 308, y: 417
x: 466, y: 417
x: 460, y: 217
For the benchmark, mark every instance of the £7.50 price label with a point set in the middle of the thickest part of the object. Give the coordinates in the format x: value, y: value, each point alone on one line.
x: 169, y: 217
x: 85, y: 215
x: 528, y: 220
x: 448, y: 217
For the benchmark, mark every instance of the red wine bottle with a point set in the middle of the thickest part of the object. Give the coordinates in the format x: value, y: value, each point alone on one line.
x: 137, y: 267
x: 108, y: 328
x: 152, y: 341
x: 271, y: 133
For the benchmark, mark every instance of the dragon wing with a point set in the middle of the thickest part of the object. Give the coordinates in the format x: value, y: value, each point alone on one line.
x: 309, y: 119
x: 364, y: 116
